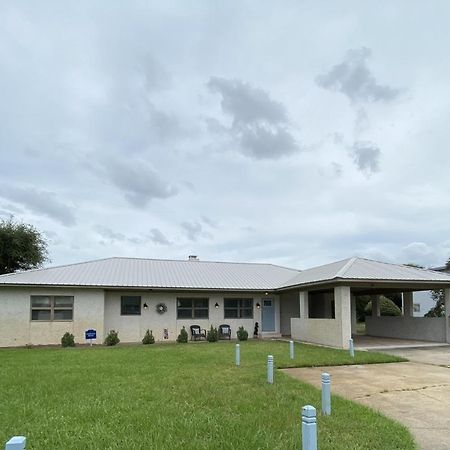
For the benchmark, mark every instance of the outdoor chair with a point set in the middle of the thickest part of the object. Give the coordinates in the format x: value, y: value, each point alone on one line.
x: 224, y: 332
x: 197, y: 333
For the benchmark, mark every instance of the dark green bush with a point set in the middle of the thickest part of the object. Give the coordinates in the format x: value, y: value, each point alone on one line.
x: 112, y: 338
x: 242, y: 334
x: 213, y: 335
x: 183, y: 336
x: 148, y: 338
x: 68, y: 340
x: 387, y: 307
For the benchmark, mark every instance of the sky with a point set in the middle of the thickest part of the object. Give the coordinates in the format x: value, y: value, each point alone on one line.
x: 295, y: 133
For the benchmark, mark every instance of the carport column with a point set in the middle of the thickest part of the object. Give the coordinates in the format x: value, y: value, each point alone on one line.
x: 353, y: 305
x: 343, y: 315
x: 304, y: 306
x: 375, y: 305
x: 447, y: 312
x: 408, y: 308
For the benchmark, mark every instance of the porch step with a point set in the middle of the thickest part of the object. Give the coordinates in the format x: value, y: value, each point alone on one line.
x: 270, y: 335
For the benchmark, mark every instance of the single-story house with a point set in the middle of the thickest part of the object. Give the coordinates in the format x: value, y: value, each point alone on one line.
x: 132, y: 295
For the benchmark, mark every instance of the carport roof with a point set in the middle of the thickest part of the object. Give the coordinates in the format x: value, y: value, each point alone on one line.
x: 361, y: 269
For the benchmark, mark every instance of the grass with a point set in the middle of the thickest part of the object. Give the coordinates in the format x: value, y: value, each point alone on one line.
x: 173, y: 396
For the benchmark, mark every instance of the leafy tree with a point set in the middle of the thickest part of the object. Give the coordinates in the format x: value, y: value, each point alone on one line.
x: 387, y: 307
x: 439, y: 297
x: 22, y: 247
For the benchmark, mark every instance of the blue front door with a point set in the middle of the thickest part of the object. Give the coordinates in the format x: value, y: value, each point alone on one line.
x: 268, y: 315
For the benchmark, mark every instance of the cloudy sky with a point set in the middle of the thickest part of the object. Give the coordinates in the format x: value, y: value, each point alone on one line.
x: 296, y: 132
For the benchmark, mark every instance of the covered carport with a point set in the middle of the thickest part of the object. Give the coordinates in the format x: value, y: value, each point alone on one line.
x: 327, y: 307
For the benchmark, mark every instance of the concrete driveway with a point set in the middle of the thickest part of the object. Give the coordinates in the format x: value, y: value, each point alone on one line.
x: 415, y: 393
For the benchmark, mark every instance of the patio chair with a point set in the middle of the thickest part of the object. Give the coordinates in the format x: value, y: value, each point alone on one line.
x: 224, y: 332
x: 197, y: 333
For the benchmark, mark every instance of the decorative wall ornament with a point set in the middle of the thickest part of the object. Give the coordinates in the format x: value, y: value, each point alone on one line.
x: 161, y: 308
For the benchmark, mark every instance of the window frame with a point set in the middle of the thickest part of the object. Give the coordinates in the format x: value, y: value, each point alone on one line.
x: 52, y: 307
x: 239, y: 308
x: 125, y: 297
x: 193, y: 308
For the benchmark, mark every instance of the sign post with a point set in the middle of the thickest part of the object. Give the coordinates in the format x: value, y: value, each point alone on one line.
x: 90, y: 334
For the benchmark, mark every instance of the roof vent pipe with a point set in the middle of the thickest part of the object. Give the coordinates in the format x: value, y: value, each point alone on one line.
x: 193, y: 258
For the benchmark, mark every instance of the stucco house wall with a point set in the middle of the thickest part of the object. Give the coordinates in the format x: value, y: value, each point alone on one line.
x: 16, y: 327
x: 133, y: 328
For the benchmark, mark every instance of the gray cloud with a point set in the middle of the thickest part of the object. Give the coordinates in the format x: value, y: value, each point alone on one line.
x: 366, y: 156
x: 353, y: 78
x: 260, y: 125
x: 194, y: 230
x: 40, y: 202
x: 139, y: 183
x: 158, y: 237
x: 247, y: 104
x: 109, y: 234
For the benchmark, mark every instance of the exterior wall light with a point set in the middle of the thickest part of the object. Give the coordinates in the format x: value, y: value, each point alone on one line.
x: 145, y: 306
x: 258, y: 305
x: 216, y: 305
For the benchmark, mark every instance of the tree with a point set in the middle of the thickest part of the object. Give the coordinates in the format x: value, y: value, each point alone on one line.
x: 439, y: 297
x: 22, y: 247
x: 387, y: 307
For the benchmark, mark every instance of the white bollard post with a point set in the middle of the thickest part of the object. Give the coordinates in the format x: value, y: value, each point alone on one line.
x: 16, y: 443
x: 291, y: 349
x: 270, y: 369
x: 350, y: 348
x: 309, y: 428
x: 326, y: 394
x: 238, y: 355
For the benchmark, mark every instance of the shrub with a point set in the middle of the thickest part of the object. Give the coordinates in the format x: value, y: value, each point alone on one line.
x: 148, y: 338
x: 242, y: 334
x: 387, y: 307
x: 112, y: 338
x: 213, y: 335
x: 183, y: 336
x: 68, y: 340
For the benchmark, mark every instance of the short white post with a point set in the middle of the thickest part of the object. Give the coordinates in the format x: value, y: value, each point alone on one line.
x: 350, y: 348
x: 309, y: 428
x: 326, y: 394
x: 291, y: 349
x: 270, y: 369
x: 16, y: 443
x: 238, y: 355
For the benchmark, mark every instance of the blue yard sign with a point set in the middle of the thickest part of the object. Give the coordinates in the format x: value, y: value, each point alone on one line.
x: 90, y: 334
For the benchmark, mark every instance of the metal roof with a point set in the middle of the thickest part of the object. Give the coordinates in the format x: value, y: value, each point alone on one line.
x: 157, y: 273
x: 208, y: 275
x: 366, y: 269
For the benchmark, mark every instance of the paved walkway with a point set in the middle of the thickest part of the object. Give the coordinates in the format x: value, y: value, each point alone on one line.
x: 416, y: 394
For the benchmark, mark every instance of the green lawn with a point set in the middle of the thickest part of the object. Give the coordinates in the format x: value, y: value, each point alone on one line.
x: 174, y: 396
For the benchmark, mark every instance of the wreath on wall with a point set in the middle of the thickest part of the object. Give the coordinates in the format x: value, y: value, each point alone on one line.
x: 161, y: 308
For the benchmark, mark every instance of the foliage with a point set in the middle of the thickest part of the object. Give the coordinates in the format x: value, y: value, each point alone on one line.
x: 68, y: 340
x: 183, y: 336
x: 148, y: 338
x: 438, y: 310
x: 242, y: 334
x: 387, y: 307
x: 361, y: 303
x: 112, y: 338
x: 438, y: 295
x: 22, y: 247
x: 192, y: 389
x: 212, y: 335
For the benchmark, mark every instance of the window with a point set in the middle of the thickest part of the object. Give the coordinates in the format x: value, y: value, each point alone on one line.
x: 51, y: 307
x: 238, y: 308
x: 192, y: 308
x: 130, y: 305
